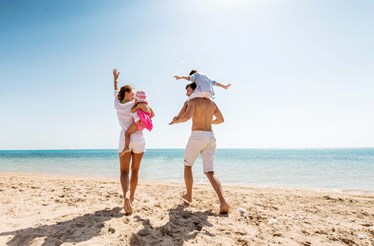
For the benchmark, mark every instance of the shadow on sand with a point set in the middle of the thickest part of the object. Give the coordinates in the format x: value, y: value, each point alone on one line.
x: 182, y: 226
x: 77, y: 230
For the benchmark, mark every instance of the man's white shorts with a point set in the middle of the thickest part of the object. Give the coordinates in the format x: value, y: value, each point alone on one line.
x: 137, y: 142
x: 203, y: 142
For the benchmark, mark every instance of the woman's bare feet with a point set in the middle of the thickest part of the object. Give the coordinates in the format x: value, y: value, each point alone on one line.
x: 186, y: 198
x: 224, y: 208
x: 128, y: 206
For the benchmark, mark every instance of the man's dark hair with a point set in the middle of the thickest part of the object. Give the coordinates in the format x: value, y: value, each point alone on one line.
x: 192, y: 85
x: 193, y: 71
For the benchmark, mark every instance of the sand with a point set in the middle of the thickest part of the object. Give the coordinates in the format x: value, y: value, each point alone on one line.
x: 47, y: 210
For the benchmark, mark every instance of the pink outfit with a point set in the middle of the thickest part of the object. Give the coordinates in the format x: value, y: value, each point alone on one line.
x: 145, y: 119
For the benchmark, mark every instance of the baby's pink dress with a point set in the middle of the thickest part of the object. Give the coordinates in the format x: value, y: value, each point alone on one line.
x: 145, y: 119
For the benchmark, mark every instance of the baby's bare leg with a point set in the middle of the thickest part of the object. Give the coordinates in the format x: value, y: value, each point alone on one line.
x: 133, y: 128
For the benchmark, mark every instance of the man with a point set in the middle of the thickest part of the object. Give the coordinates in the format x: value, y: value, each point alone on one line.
x: 202, y: 140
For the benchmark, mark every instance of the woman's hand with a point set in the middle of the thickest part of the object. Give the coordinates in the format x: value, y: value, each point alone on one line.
x: 115, y: 74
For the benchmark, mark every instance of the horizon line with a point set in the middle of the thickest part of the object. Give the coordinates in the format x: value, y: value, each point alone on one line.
x: 250, y: 148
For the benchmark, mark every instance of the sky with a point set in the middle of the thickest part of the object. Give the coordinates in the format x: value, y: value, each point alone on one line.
x: 302, y: 72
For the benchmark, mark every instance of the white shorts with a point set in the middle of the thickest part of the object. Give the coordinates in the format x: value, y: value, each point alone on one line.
x: 135, y: 116
x: 137, y: 142
x: 197, y: 93
x: 203, y: 142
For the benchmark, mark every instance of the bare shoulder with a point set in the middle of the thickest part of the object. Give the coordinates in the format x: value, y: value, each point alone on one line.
x: 192, y: 101
x: 212, y: 102
x: 203, y: 103
x: 198, y: 100
x: 214, y: 105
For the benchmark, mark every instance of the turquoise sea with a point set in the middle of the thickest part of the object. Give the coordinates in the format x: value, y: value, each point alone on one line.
x: 340, y: 169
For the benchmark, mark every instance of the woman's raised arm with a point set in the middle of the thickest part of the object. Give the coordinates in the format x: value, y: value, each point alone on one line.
x: 115, y: 76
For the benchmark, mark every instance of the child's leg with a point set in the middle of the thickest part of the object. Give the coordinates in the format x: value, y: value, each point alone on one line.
x: 132, y: 128
x: 197, y: 93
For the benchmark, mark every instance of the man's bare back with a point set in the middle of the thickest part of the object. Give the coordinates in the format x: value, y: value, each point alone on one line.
x: 202, y: 110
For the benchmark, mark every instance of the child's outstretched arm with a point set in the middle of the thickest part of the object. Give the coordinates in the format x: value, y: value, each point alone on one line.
x: 177, y: 77
x: 222, y: 86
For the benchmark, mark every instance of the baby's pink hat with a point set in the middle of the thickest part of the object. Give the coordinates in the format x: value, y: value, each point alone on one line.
x: 141, y: 96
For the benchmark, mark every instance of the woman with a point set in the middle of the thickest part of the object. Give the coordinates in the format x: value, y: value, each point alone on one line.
x: 123, y: 102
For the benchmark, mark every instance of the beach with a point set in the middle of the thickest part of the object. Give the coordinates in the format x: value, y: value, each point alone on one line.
x: 67, y: 210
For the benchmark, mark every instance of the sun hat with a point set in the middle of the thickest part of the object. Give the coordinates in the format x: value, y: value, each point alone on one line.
x: 141, y: 96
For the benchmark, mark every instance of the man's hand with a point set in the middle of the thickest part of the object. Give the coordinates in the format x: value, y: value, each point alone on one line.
x: 115, y: 74
x: 174, y: 121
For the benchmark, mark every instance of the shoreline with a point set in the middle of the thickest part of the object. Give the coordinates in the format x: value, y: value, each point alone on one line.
x: 85, y: 211
x: 98, y: 178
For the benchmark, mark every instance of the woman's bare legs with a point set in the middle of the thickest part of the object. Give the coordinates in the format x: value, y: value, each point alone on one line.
x: 124, y: 177
x: 124, y: 160
x: 135, y: 166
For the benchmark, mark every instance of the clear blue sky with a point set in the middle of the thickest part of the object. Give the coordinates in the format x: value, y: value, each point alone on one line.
x: 302, y: 71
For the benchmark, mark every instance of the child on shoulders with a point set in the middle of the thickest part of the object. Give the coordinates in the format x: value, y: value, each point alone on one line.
x: 204, y: 84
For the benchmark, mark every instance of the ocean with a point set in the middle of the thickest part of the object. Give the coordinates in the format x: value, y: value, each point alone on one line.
x: 332, y: 169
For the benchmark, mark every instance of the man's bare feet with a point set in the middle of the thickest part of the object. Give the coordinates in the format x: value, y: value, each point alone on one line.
x: 185, y: 198
x: 224, y: 208
x: 126, y: 150
x: 128, y: 206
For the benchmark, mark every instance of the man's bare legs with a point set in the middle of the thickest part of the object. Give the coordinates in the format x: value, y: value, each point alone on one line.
x: 124, y: 178
x: 188, y: 180
x: 224, y: 206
